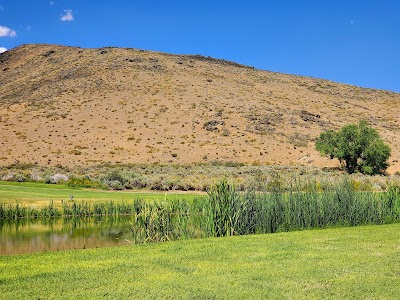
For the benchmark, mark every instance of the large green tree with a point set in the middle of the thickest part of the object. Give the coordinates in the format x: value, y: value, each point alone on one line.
x: 357, y: 146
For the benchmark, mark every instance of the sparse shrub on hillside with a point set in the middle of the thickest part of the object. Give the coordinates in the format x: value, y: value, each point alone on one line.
x: 225, y: 132
x: 75, y: 152
x: 227, y: 164
x: 212, y: 125
x: 261, y: 123
x: 299, y: 140
x: 48, y: 53
x: 20, y: 166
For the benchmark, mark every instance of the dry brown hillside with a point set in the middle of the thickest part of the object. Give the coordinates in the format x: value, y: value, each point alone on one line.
x: 74, y: 106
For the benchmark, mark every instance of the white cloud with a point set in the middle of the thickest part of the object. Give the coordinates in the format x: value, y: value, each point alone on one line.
x: 68, y: 15
x: 1, y: 8
x: 51, y: 2
x: 5, y: 31
x: 2, y: 49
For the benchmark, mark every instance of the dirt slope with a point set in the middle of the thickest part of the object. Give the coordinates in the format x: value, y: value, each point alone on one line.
x: 74, y: 106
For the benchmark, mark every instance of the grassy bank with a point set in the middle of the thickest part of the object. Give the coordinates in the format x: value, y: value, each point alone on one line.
x: 41, y: 194
x: 356, y: 263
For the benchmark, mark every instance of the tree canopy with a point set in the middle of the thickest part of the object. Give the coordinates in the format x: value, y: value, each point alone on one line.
x: 358, y: 146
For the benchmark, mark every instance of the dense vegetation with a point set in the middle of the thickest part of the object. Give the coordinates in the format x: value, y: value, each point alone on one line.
x: 358, y: 147
x: 199, y: 177
x: 228, y: 211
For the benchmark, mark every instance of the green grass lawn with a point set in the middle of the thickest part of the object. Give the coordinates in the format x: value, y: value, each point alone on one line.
x: 343, y: 263
x: 40, y: 194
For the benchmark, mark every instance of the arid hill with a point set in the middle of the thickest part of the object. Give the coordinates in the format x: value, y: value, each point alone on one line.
x: 75, y: 106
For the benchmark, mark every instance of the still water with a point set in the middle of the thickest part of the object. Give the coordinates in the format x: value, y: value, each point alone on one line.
x: 28, y: 236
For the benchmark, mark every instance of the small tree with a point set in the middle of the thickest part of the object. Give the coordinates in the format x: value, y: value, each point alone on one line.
x: 358, y: 147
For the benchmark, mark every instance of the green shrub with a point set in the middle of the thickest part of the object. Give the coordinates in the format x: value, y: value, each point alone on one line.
x: 85, y: 182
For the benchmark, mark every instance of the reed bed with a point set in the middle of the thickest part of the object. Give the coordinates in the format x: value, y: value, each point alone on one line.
x: 228, y: 210
x: 16, y: 211
x: 74, y: 209
x: 236, y: 213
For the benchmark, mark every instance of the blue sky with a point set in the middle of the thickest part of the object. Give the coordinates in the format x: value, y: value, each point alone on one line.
x: 353, y: 41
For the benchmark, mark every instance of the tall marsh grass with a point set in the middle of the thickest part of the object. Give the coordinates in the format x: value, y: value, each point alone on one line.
x: 233, y: 212
x: 16, y: 211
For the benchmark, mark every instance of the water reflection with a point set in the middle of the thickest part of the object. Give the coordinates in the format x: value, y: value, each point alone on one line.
x: 27, y: 236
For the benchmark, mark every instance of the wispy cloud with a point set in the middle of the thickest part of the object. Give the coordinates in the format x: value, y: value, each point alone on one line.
x: 25, y: 27
x: 1, y: 8
x: 51, y: 2
x: 68, y: 15
x: 2, y: 49
x: 5, y: 31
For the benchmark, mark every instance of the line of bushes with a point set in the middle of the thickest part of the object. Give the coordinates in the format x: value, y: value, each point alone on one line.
x: 186, y: 177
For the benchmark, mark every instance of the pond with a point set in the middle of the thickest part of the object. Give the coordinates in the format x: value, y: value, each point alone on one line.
x: 28, y: 236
